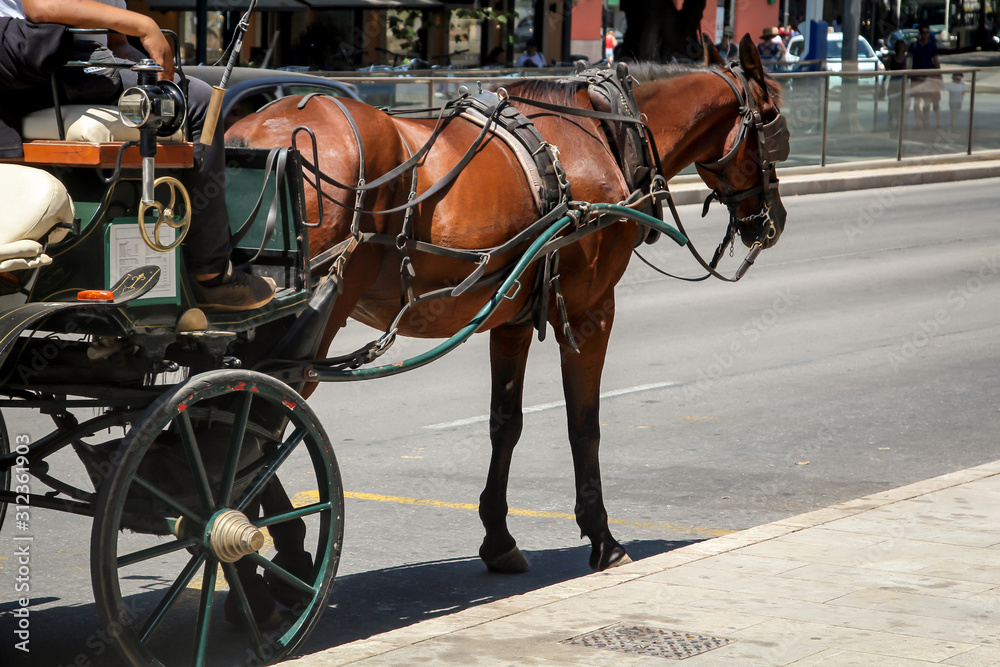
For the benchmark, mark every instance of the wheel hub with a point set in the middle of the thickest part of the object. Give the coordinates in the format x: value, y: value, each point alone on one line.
x: 232, y: 536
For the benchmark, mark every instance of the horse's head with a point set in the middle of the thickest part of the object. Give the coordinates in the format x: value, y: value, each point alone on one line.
x: 743, y: 176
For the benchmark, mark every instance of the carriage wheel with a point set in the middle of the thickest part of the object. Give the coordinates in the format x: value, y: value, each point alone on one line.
x: 193, y: 504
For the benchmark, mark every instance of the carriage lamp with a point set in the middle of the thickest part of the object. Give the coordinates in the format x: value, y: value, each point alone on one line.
x: 152, y: 104
x: 155, y: 108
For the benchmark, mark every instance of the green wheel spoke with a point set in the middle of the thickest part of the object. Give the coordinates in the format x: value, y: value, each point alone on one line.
x: 271, y: 467
x: 241, y: 417
x: 194, y: 459
x: 294, y: 514
x: 153, y: 552
x: 170, y: 597
x: 282, y: 574
x: 236, y: 586
x: 205, y: 612
x: 160, y: 495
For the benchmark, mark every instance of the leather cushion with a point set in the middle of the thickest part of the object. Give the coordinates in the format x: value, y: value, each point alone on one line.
x: 34, y: 201
x: 84, y: 122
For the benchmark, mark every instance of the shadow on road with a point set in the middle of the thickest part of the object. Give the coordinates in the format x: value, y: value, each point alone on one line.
x: 361, y: 605
x: 370, y: 603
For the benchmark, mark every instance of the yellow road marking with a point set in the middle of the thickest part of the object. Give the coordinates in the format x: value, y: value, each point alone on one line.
x: 541, y: 514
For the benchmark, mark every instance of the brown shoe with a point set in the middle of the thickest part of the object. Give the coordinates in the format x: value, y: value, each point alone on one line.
x: 235, y: 291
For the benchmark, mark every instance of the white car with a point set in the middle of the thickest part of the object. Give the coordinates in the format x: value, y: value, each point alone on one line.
x: 868, y: 61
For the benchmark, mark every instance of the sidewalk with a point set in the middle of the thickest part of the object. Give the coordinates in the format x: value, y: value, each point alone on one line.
x: 902, y: 578
x: 689, y: 189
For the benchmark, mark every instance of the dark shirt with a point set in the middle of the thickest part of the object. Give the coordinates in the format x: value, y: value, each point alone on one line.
x: 29, y: 53
x: 769, y: 50
x: 923, y: 54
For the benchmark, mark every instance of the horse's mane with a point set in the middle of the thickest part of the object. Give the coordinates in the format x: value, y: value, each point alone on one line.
x: 554, y: 92
x: 646, y: 71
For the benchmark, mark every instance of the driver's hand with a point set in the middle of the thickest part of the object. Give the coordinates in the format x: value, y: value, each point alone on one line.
x: 159, y: 49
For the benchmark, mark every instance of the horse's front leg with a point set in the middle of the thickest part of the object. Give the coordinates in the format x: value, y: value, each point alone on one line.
x: 508, y: 356
x: 581, y: 374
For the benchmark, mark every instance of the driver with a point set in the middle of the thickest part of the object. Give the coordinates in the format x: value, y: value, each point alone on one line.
x: 216, y: 284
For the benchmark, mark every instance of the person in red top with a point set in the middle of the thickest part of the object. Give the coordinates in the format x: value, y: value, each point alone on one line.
x: 609, y: 45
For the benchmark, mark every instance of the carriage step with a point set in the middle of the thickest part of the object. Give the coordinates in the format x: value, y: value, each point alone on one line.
x: 131, y: 286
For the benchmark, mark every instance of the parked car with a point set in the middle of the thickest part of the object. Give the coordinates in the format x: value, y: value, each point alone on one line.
x: 250, y: 88
x: 867, y: 60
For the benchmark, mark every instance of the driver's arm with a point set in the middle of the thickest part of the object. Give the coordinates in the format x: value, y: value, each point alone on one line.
x: 91, y: 14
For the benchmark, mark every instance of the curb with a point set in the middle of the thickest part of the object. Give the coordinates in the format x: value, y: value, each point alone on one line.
x: 817, y: 180
x: 470, y: 617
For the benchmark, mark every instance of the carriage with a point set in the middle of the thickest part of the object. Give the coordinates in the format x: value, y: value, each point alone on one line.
x: 207, y: 473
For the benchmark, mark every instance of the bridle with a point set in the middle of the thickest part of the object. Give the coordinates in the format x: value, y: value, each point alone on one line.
x: 772, y: 147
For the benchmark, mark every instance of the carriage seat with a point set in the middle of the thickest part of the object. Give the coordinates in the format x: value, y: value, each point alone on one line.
x: 84, y: 122
x: 34, y: 203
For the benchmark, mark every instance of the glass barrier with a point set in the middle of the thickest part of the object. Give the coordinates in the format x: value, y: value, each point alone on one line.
x: 984, y: 108
x: 926, y: 118
x: 859, y: 127
x: 802, y: 105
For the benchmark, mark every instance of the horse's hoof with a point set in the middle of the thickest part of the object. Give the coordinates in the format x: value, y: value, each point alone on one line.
x: 512, y: 562
x: 261, y: 601
x: 601, y: 560
x: 624, y: 560
x: 299, y: 564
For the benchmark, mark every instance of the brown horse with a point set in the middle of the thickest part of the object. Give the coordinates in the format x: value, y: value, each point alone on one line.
x: 695, y: 116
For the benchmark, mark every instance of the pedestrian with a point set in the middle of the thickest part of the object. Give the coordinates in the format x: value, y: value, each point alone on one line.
x: 956, y: 89
x: 771, y: 48
x: 531, y: 57
x: 207, y: 247
x: 896, y: 62
x: 496, y: 58
x: 927, y: 88
x: 610, y: 42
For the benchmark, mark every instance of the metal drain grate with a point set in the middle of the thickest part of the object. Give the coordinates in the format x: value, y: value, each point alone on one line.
x: 650, y: 641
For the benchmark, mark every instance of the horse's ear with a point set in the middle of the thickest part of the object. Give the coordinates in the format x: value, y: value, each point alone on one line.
x: 712, y: 56
x: 750, y: 62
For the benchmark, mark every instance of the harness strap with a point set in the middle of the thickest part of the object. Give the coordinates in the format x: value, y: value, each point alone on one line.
x: 411, y: 163
x: 575, y: 111
x: 406, y: 272
x: 399, y: 170
x: 524, y: 236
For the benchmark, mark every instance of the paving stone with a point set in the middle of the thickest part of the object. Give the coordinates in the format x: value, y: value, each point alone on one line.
x: 892, y: 581
x: 879, y: 643
x: 981, y: 656
x: 723, y: 580
x: 842, y: 658
x: 923, y: 605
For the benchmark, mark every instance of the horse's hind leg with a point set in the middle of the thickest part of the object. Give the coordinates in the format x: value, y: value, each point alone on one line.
x: 508, y: 356
x: 581, y: 375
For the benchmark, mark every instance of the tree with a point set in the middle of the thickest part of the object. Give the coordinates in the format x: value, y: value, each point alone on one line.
x: 658, y: 31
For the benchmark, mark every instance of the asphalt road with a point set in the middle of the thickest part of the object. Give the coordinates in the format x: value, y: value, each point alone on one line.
x: 858, y: 355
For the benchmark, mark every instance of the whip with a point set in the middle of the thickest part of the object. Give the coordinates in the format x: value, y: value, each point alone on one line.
x: 219, y: 92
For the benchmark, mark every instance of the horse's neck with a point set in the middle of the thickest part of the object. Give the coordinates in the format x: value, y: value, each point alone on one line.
x: 690, y: 116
